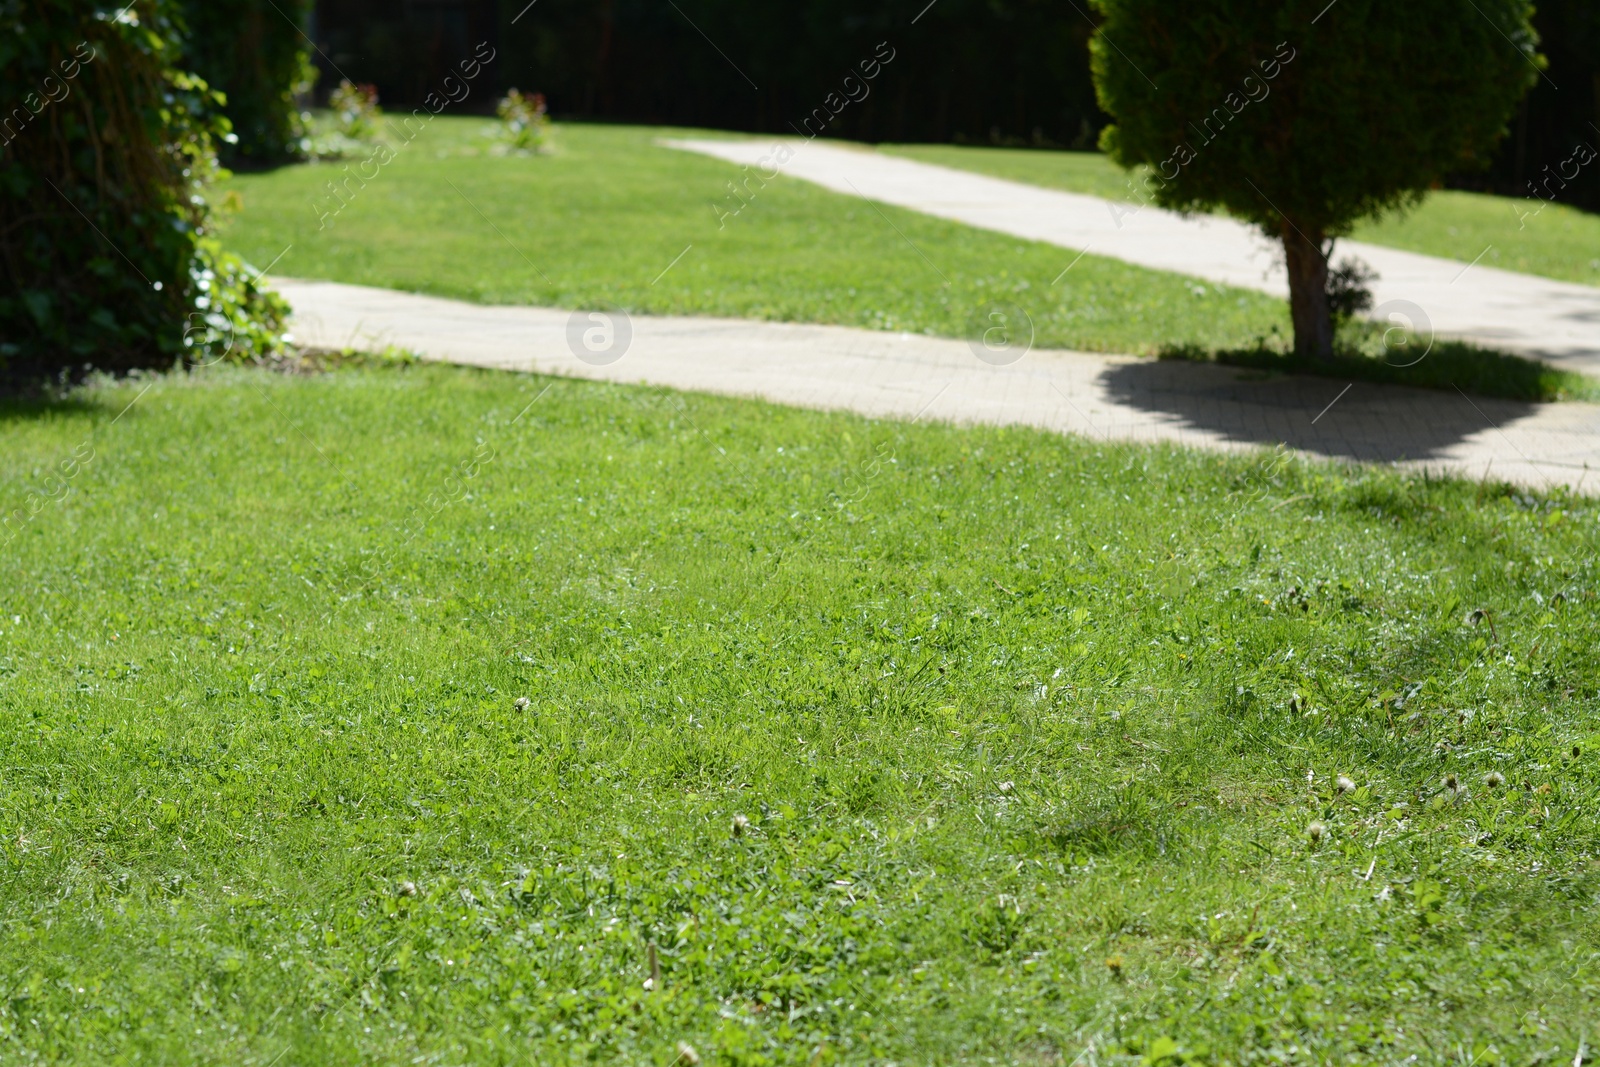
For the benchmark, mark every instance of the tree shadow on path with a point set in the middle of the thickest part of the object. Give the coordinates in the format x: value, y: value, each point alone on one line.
x: 1351, y: 420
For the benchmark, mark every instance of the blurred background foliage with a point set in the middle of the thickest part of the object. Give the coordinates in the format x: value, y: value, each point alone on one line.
x: 1011, y: 72
x: 255, y: 53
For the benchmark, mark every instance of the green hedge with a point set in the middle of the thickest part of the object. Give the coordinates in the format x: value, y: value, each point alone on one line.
x: 254, y: 53
x: 105, y: 149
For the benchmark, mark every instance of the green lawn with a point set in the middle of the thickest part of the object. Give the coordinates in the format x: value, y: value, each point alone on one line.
x: 603, y: 218
x: 1510, y: 233
x: 611, y: 217
x: 1035, y: 740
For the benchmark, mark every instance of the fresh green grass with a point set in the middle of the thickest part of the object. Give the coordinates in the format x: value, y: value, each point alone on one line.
x: 1525, y: 235
x: 1029, y: 732
x: 1511, y: 233
x: 602, y: 218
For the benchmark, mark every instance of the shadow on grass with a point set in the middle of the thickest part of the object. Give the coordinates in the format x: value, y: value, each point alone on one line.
x: 25, y: 398
x: 35, y: 406
x: 1448, y: 365
x: 31, y: 391
x: 1130, y: 819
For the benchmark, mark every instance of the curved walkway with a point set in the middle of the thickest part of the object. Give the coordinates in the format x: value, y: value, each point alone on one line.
x: 1557, y: 321
x: 906, y: 376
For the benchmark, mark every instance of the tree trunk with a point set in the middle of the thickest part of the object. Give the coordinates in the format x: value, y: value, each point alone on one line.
x: 1308, y: 292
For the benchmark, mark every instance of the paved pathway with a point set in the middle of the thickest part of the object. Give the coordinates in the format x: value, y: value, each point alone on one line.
x: 914, y: 377
x: 1559, y: 321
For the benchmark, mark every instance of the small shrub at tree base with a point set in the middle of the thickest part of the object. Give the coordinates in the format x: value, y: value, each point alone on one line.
x: 104, y: 253
x: 1364, y: 354
x: 526, y: 119
x: 1302, y: 117
x: 1350, y: 290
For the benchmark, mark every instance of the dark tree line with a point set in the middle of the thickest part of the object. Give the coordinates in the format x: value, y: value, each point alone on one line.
x: 987, y: 71
x: 979, y: 70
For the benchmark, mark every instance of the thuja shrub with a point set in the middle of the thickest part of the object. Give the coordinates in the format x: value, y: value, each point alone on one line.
x: 254, y: 53
x: 1304, y: 116
x: 106, y: 148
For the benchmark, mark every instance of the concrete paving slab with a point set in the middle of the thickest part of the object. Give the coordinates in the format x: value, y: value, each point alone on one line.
x: 906, y: 376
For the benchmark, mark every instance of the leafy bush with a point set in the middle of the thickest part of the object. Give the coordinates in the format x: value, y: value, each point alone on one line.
x: 254, y: 53
x: 104, y: 258
x: 526, y: 119
x: 356, y: 107
x: 234, y: 318
x: 348, y: 128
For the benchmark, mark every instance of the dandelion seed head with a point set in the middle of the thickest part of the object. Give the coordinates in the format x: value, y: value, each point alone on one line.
x: 1344, y: 784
